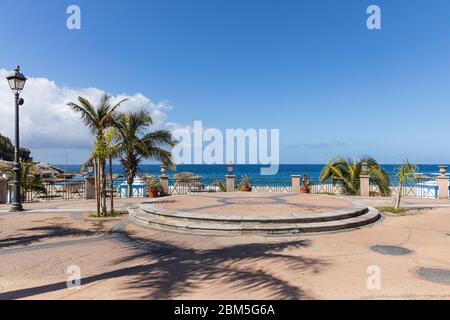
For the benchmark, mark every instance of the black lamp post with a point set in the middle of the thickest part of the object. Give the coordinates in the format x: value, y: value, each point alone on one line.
x: 16, y: 83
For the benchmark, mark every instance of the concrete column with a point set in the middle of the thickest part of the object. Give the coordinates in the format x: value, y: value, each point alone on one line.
x: 364, y: 185
x: 3, y: 190
x: 296, y: 183
x: 230, y: 183
x: 442, y: 182
x: 164, y: 181
x: 89, y: 188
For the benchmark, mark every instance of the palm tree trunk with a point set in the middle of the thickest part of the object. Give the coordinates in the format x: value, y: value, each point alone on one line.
x: 96, y: 174
x: 130, y: 181
x: 398, y: 198
x: 100, y: 184
x: 111, y: 186
x: 103, y: 181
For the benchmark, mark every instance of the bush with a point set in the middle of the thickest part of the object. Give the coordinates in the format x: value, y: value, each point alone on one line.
x: 393, y: 210
x: 245, y: 182
x: 152, y: 182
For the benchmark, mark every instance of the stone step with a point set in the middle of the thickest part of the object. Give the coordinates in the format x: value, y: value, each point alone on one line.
x: 340, y: 214
x: 205, y: 227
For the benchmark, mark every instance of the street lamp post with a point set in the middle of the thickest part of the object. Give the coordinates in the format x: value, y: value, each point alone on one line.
x: 16, y: 83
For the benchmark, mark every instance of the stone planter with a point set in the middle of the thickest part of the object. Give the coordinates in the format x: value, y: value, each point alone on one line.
x: 246, y: 189
x: 152, y: 193
x: 305, y: 190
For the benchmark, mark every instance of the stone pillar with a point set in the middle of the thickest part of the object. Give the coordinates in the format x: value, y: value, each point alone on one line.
x: 164, y: 181
x: 89, y: 188
x: 296, y: 183
x: 230, y: 182
x: 442, y: 182
x: 364, y: 180
x: 3, y: 190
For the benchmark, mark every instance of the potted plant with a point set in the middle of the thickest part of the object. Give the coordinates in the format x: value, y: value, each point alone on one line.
x: 153, y: 186
x: 306, y: 184
x: 245, y: 185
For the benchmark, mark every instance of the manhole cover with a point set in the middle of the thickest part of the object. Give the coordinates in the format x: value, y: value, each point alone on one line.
x: 392, y: 250
x: 435, y: 275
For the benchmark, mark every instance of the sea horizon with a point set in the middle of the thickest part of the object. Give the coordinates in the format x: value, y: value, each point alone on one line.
x: 251, y: 170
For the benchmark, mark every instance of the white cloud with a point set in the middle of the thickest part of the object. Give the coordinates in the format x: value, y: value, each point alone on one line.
x: 47, y: 122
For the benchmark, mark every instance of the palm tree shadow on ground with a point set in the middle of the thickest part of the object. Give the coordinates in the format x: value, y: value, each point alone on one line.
x: 172, y: 270
x: 45, y: 233
x: 164, y: 270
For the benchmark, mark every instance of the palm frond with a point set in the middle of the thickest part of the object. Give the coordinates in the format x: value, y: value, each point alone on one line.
x: 136, y: 141
x: 346, y: 172
x: 159, y: 138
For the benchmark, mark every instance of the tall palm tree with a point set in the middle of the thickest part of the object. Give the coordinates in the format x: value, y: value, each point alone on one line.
x: 137, y: 142
x: 346, y: 172
x: 97, y: 119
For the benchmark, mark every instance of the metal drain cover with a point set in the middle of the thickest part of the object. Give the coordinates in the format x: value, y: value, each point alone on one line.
x: 392, y: 250
x: 435, y: 275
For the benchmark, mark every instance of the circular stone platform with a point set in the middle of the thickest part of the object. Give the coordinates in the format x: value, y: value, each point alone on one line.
x: 253, y: 213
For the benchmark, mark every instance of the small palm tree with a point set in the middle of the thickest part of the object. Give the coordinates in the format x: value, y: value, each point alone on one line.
x: 106, y: 148
x: 112, y: 152
x: 136, y: 142
x: 28, y: 180
x: 346, y: 172
x: 97, y: 119
x: 221, y: 185
x: 405, y: 172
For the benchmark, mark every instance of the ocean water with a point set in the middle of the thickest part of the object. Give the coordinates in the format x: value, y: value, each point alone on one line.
x: 285, y: 170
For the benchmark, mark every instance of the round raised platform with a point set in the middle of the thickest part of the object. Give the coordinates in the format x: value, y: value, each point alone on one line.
x: 253, y: 213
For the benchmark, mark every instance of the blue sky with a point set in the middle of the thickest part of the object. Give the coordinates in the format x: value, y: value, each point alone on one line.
x: 310, y: 68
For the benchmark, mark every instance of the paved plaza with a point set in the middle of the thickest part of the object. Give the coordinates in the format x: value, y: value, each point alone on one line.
x: 119, y: 260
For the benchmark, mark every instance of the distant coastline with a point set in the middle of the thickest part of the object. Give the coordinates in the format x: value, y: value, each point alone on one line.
x: 285, y: 171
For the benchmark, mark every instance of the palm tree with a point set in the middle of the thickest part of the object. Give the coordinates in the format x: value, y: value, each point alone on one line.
x: 112, y: 151
x: 28, y: 180
x: 106, y: 148
x: 221, y: 185
x: 346, y: 172
x: 405, y: 172
x: 97, y: 119
x: 136, y: 142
